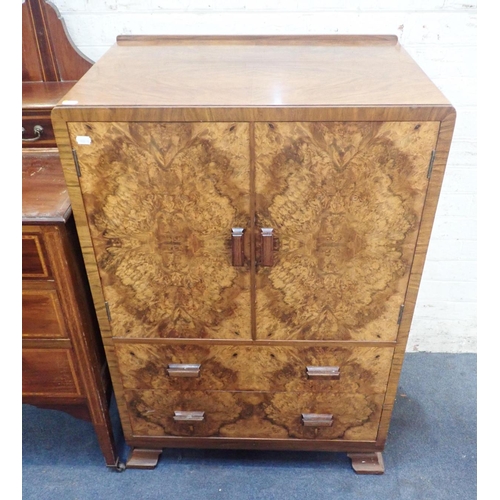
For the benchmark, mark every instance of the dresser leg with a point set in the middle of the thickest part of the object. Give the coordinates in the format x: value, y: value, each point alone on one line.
x: 367, y: 463
x: 142, y: 458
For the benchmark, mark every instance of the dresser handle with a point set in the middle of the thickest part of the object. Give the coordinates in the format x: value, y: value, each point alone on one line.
x: 37, y: 130
x: 237, y: 244
x: 323, y: 372
x: 267, y: 243
x: 189, y: 416
x: 178, y: 370
x: 317, y: 419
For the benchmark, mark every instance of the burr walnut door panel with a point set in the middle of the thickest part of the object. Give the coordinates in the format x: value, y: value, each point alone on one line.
x: 345, y: 202
x: 161, y: 199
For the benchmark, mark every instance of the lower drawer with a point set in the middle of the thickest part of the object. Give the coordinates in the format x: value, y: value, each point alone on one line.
x: 273, y: 415
x: 49, y: 372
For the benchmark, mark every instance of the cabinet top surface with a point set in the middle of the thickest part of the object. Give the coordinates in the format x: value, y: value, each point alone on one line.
x: 45, y: 196
x: 260, y: 71
x: 43, y: 95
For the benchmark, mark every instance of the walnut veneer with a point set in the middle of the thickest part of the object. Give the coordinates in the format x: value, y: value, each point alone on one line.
x: 254, y: 214
x: 63, y: 360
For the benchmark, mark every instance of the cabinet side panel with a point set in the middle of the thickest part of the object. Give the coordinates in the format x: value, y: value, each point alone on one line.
x: 442, y: 150
x: 345, y: 201
x: 161, y: 199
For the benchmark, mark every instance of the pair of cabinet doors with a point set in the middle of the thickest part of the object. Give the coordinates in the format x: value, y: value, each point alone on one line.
x: 167, y: 204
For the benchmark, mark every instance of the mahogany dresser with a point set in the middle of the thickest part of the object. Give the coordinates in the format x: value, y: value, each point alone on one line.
x: 63, y: 361
x: 254, y: 214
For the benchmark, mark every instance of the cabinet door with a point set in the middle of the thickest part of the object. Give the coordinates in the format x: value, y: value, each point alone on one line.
x: 345, y: 203
x: 161, y: 199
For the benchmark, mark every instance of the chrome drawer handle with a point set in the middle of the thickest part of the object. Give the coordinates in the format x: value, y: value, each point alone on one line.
x: 37, y: 130
x: 183, y: 370
x: 323, y: 372
x: 189, y: 416
x: 317, y: 419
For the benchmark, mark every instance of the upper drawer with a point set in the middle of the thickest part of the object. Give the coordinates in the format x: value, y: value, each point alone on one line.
x: 255, y: 368
x: 35, y: 264
x: 42, y: 139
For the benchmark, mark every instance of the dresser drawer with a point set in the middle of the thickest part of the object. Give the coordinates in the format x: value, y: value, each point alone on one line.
x: 49, y: 372
x: 254, y: 414
x: 42, y: 315
x: 254, y: 368
x: 34, y: 263
x: 32, y: 120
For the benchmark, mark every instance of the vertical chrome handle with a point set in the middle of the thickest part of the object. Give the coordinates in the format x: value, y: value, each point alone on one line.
x: 238, y: 256
x: 267, y: 246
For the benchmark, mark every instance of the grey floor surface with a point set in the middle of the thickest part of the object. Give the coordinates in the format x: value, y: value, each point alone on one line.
x: 430, y: 454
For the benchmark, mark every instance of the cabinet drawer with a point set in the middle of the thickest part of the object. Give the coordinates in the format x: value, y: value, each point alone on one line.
x: 49, y: 372
x: 34, y: 263
x: 42, y: 314
x: 273, y: 415
x: 33, y: 139
x: 255, y: 368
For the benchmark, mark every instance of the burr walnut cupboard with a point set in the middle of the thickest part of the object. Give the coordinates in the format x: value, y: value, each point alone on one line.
x: 254, y: 214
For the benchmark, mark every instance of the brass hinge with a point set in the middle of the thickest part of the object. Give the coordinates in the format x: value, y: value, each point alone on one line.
x: 77, y: 165
x: 106, y: 305
x: 400, y: 317
x: 431, y: 164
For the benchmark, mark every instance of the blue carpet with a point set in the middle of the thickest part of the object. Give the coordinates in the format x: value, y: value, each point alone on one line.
x: 430, y: 454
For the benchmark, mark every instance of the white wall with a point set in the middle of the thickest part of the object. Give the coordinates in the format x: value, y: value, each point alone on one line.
x: 439, y: 34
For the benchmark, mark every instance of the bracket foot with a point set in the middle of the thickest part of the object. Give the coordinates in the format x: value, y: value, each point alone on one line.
x: 367, y: 463
x: 142, y: 458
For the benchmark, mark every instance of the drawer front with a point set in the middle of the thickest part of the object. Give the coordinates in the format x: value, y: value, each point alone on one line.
x: 32, y: 139
x: 49, y: 372
x: 42, y: 315
x: 254, y: 415
x: 338, y: 370
x: 34, y: 263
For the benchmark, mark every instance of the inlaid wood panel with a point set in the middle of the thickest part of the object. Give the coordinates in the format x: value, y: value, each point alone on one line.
x: 255, y: 368
x: 34, y: 262
x: 161, y: 199
x: 345, y: 201
x: 42, y: 315
x: 254, y: 414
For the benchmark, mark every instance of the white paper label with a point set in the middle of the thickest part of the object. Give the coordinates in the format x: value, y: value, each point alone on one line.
x: 69, y: 103
x: 83, y: 139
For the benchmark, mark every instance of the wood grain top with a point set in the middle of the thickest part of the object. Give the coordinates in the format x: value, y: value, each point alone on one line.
x: 260, y: 71
x: 45, y: 196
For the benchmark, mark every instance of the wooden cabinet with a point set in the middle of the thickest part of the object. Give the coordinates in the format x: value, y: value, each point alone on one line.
x: 63, y: 360
x: 254, y: 214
